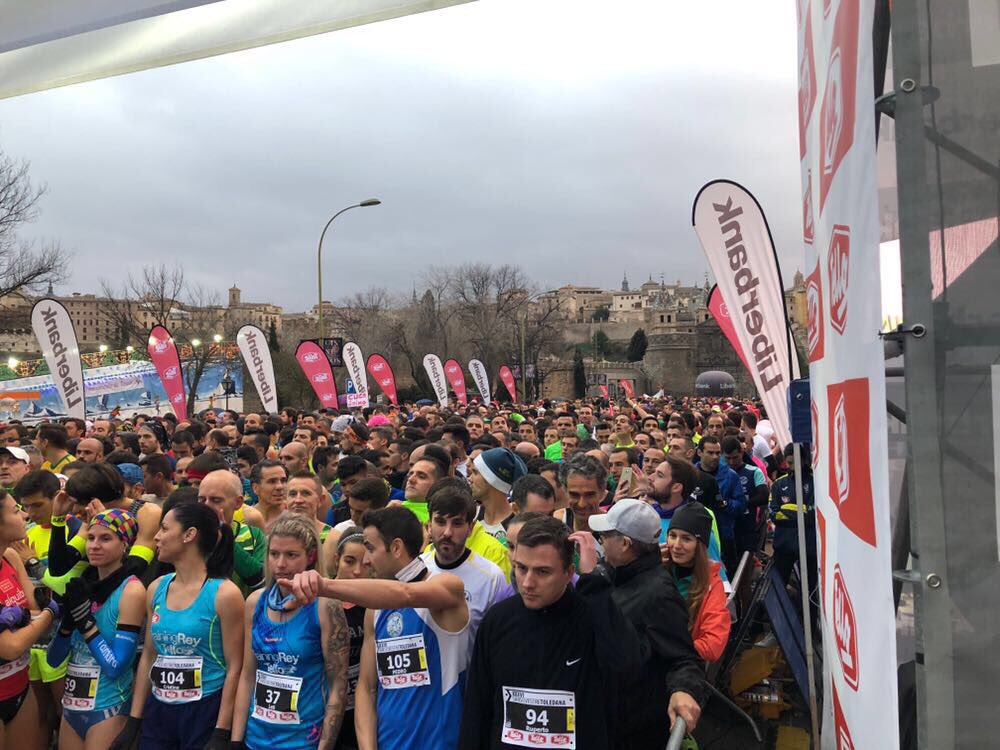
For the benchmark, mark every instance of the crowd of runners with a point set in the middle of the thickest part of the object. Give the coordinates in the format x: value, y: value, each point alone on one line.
x: 425, y: 578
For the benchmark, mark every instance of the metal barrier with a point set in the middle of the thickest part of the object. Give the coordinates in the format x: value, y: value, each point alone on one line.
x: 677, y: 734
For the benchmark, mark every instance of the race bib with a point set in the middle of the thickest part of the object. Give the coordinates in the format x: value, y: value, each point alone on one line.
x: 538, y: 718
x: 9, y: 668
x: 352, y: 684
x: 80, y: 693
x: 176, y: 679
x: 402, y: 662
x: 276, y: 698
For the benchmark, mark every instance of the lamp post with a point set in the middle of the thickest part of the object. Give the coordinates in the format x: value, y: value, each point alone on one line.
x: 319, y: 257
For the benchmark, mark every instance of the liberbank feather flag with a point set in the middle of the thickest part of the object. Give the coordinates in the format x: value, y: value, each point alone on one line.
x: 737, y: 242
x: 435, y: 372
x: 507, y: 378
x: 456, y: 377
x: 355, y: 362
x: 378, y: 368
x: 253, y: 346
x: 482, y: 380
x: 55, y: 333
x: 847, y: 373
x: 314, y: 363
x: 167, y: 361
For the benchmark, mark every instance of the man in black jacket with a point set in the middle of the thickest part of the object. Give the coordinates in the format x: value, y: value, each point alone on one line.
x: 546, y: 660
x: 669, y: 681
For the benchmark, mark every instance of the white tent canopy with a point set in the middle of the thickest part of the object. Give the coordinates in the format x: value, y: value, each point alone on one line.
x: 50, y: 43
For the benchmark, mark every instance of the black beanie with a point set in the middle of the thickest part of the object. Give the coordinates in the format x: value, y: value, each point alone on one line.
x: 695, y: 519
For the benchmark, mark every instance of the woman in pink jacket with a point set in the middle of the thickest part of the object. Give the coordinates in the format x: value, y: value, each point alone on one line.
x: 698, y: 580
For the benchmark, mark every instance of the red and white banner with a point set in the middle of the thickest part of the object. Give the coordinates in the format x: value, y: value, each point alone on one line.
x: 316, y: 367
x: 54, y: 330
x: 604, y: 391
x: 378, y: 368
x: 253, y: 346
x: 846, y: 372
x: 456, y: 378
x: 721, y: 314
x: 354, y: 360
x: 435, y: 372
x: 737, y: 242
x: 507, y: 378
x: 167, y: 361
x: 481, y: 379
x: 626, y: 385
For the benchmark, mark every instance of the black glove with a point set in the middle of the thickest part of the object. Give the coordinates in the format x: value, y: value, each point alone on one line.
x: 126, y: 737
x: 237, y: 745
x: 43, y: 595
x: 219, y: 740
x: 79, y: 605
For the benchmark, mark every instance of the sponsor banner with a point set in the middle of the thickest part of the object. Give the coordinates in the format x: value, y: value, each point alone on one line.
x: 167, y: 361
x: 482, y: 380
x: 847, y: 372
x: 737, y: 241
x: 355, y: 362
x: 334, y: 348
x: 253, y: 346
x: 626, y: 385
x: 435, y: 372
x: 316, y: 367
x: 456, y: 379
x: 604, y: 391
x: 116, y: 384
x: 507, y: 378
x: 721, y: 314
x: 381, y: 372
x: 54, y: 330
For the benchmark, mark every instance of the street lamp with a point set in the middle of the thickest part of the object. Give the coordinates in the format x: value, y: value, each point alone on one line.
x: 319, y: 256
x: 13, y: 362
x: 130, y: 348
x: 216, y: 338
x: 102, y: 348
x: 196, y: 343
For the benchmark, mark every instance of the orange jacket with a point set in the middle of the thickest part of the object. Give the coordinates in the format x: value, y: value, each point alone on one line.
x: 710, y: 631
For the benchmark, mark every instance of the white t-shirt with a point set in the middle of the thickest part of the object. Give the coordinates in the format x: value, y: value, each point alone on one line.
x: 760, y: 447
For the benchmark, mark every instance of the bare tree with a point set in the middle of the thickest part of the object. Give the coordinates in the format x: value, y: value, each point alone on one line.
x: 25, y: 266
x: 160, y: 296
x: 488, y: 300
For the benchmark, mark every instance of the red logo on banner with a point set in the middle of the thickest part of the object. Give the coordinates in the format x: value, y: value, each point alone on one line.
x: 814, y: 306
x: 507, y: 378
x: 381, y: 372
x: 840, y: 728
x: 807, y: 84
x: 839, y: 265
x: 456, y: 378
x: 167, y: 361
x: 627, y: 387
x: 721, y: 314
x: 316, y: 368
x: 808, y: 225
x: 845, y: 628
x: 836, y: 117
x: 850, y: 481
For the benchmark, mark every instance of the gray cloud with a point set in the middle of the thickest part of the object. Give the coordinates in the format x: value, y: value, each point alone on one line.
x: 485, y: 144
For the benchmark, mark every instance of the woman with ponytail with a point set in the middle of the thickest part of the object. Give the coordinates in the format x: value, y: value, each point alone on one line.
x: 698, y: 581
x: 103, y: 610
x: 293, y: 686
x: 190, y: 667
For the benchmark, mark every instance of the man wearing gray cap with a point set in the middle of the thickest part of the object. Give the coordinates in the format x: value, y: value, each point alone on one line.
x: 669, y: 683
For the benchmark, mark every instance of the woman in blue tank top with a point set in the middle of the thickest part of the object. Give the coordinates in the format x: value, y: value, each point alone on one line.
x: 102, y: 617
x: 190, y: 666
x: 293, y: 686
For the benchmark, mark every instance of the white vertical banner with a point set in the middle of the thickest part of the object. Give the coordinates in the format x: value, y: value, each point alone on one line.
x: 54, y: 330
x: 734, y: 234
x: 435, y: 372
x: 847, y: 372
x: 253, y: 346
x: 482, y: 380
x: 355, y: 362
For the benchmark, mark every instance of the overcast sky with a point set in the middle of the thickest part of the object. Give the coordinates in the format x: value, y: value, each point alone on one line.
x: 555, y: 134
